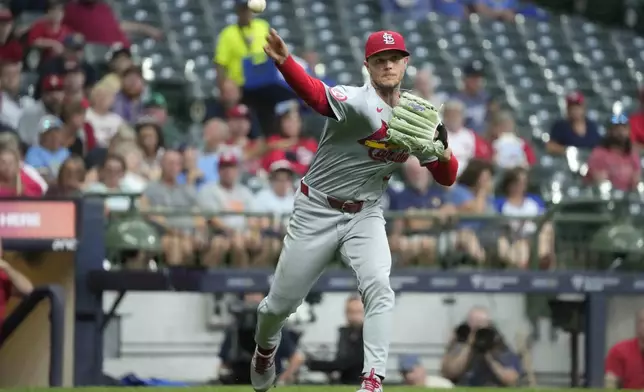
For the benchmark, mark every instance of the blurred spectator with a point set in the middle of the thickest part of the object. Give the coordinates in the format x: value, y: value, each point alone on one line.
x: 47, y: 33
x: 237, y: 41
x: 514, y: 249
x: 637, y: 122
x: 15, y: 181
x: 71, y: 178
x: 624, y: 361
x: 576, y: 130
x: 133, y: 156
x: 277, y: 200
x: 72, y: 60
x: 119, y: 59
x: 474, y: 194
x: 104, y: 122
x: 74, y: 82
x: 229, y: 97
x: 150, y: 140
x: 480, y: 357
x: 509, y: 150
x: 78, y: 135
x: 181, y: 234
x: 156, y: 107
x: 349, y: 355
x: 290, y: 145
x: 466, y: 144
x: 13, y: 102
x: 32, y: 182
x: 98, y: 23
x: 215, y: 133
x: 238, y: 347
x: 48, y: 155
x: 29, y: 126
x: 453, y: 8
x: 191, y: 173
x: 128, y: 102
x: 36, y: 6
x: 249, y: 151
x: 232, y: 232
x: 12, y: 283
x: 415, y: 239
x: 413, y: 8
x: 414, y: 374
x: 497, y: 9
x: 474, y: 96
x: 10, y: 46
x: 111, y: 181
x: 424, y: 85
x: 615, y: 159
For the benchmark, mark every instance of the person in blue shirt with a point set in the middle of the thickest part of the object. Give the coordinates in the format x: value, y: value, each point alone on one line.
x: 49, y: 154
x: 474, y: 96
x: 497, y: 9
x: 215, y: 134
x: 473, y: 195
x: 414, y: 240
x: 576, y: 130
x: 452, y: 8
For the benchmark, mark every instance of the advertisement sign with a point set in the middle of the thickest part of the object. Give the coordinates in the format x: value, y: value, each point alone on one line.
x: 38, y: 220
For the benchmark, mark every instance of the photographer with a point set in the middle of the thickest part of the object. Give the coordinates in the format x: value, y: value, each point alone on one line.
x: 239, y: 345
x: 349, y: 356
x: 478, y: 356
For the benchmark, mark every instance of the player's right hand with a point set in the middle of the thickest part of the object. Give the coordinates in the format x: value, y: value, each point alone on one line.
x: 276, y: 48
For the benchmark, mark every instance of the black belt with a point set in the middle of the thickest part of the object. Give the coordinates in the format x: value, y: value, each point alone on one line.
x: 352, y: 207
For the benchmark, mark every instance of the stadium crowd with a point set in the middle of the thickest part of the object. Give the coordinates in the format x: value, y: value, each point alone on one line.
x: 100, y: 128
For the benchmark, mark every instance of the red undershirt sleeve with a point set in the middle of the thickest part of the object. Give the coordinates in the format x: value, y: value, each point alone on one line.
x: 309, y: 89
x: 444, y: 172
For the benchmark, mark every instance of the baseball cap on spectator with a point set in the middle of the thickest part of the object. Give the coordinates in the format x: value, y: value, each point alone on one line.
x: 49, y: 123
x: 52, y: 83
x: 227, y: 159
x: 407, y: 362
x: 155, y: 100
x: 5, y: 15
x: 238, y: 111
x: 575, y: 98
x: 475, y: 68
x: 381, y: 41
x: 281, y: 165
x: 74, y: 42
x: 286, y: 107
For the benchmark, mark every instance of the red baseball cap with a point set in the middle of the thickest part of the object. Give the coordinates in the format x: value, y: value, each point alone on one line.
x: 238, y: 111
x: 228, y: 158
x: 52, y: 83
x: 5, y: 15
x: 381, y: 41
x: 575, y: 98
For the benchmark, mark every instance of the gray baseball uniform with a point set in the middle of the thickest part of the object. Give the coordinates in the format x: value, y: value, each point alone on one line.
x: 344, y: 169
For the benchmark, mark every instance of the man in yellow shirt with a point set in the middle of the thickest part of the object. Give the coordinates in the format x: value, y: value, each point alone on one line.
x: 236, y: 41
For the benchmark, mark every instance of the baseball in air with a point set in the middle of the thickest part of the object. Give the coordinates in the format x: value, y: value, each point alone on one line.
x: 257, y: 6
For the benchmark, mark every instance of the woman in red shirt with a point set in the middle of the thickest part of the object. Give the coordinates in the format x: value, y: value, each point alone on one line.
x: 616, y: 160
x: 48, y: 33
x: 15, y: 181
x: 290, y: 144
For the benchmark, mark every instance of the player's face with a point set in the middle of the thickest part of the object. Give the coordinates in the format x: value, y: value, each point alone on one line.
x: 387, y: 69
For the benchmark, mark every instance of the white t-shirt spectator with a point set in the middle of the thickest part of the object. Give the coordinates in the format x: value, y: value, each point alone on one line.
x: 113, y: 203
x: 214, y: 197
x: 532, y: 206
x: 509, y: 151
x: 105, y: 125
x: 11, y: 110
x: 268, y: 202
x: 463, y: 144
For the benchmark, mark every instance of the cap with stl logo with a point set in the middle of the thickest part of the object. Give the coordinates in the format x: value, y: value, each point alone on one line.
x: 228, y: 158
x: 381, y: 41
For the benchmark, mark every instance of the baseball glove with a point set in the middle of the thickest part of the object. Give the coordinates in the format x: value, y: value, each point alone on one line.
x: 416, y: 126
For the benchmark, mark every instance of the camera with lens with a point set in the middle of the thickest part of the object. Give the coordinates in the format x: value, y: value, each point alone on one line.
x: 242, y: 337
x: 485, y: 339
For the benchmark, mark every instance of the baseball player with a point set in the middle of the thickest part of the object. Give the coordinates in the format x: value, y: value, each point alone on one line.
x: 371, y: 130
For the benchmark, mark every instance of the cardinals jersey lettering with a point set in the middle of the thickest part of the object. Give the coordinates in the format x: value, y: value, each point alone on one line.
x: 346, y: 166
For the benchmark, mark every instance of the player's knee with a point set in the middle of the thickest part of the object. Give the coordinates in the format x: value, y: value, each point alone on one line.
x: 377, y: 289
x: 281, y: 307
